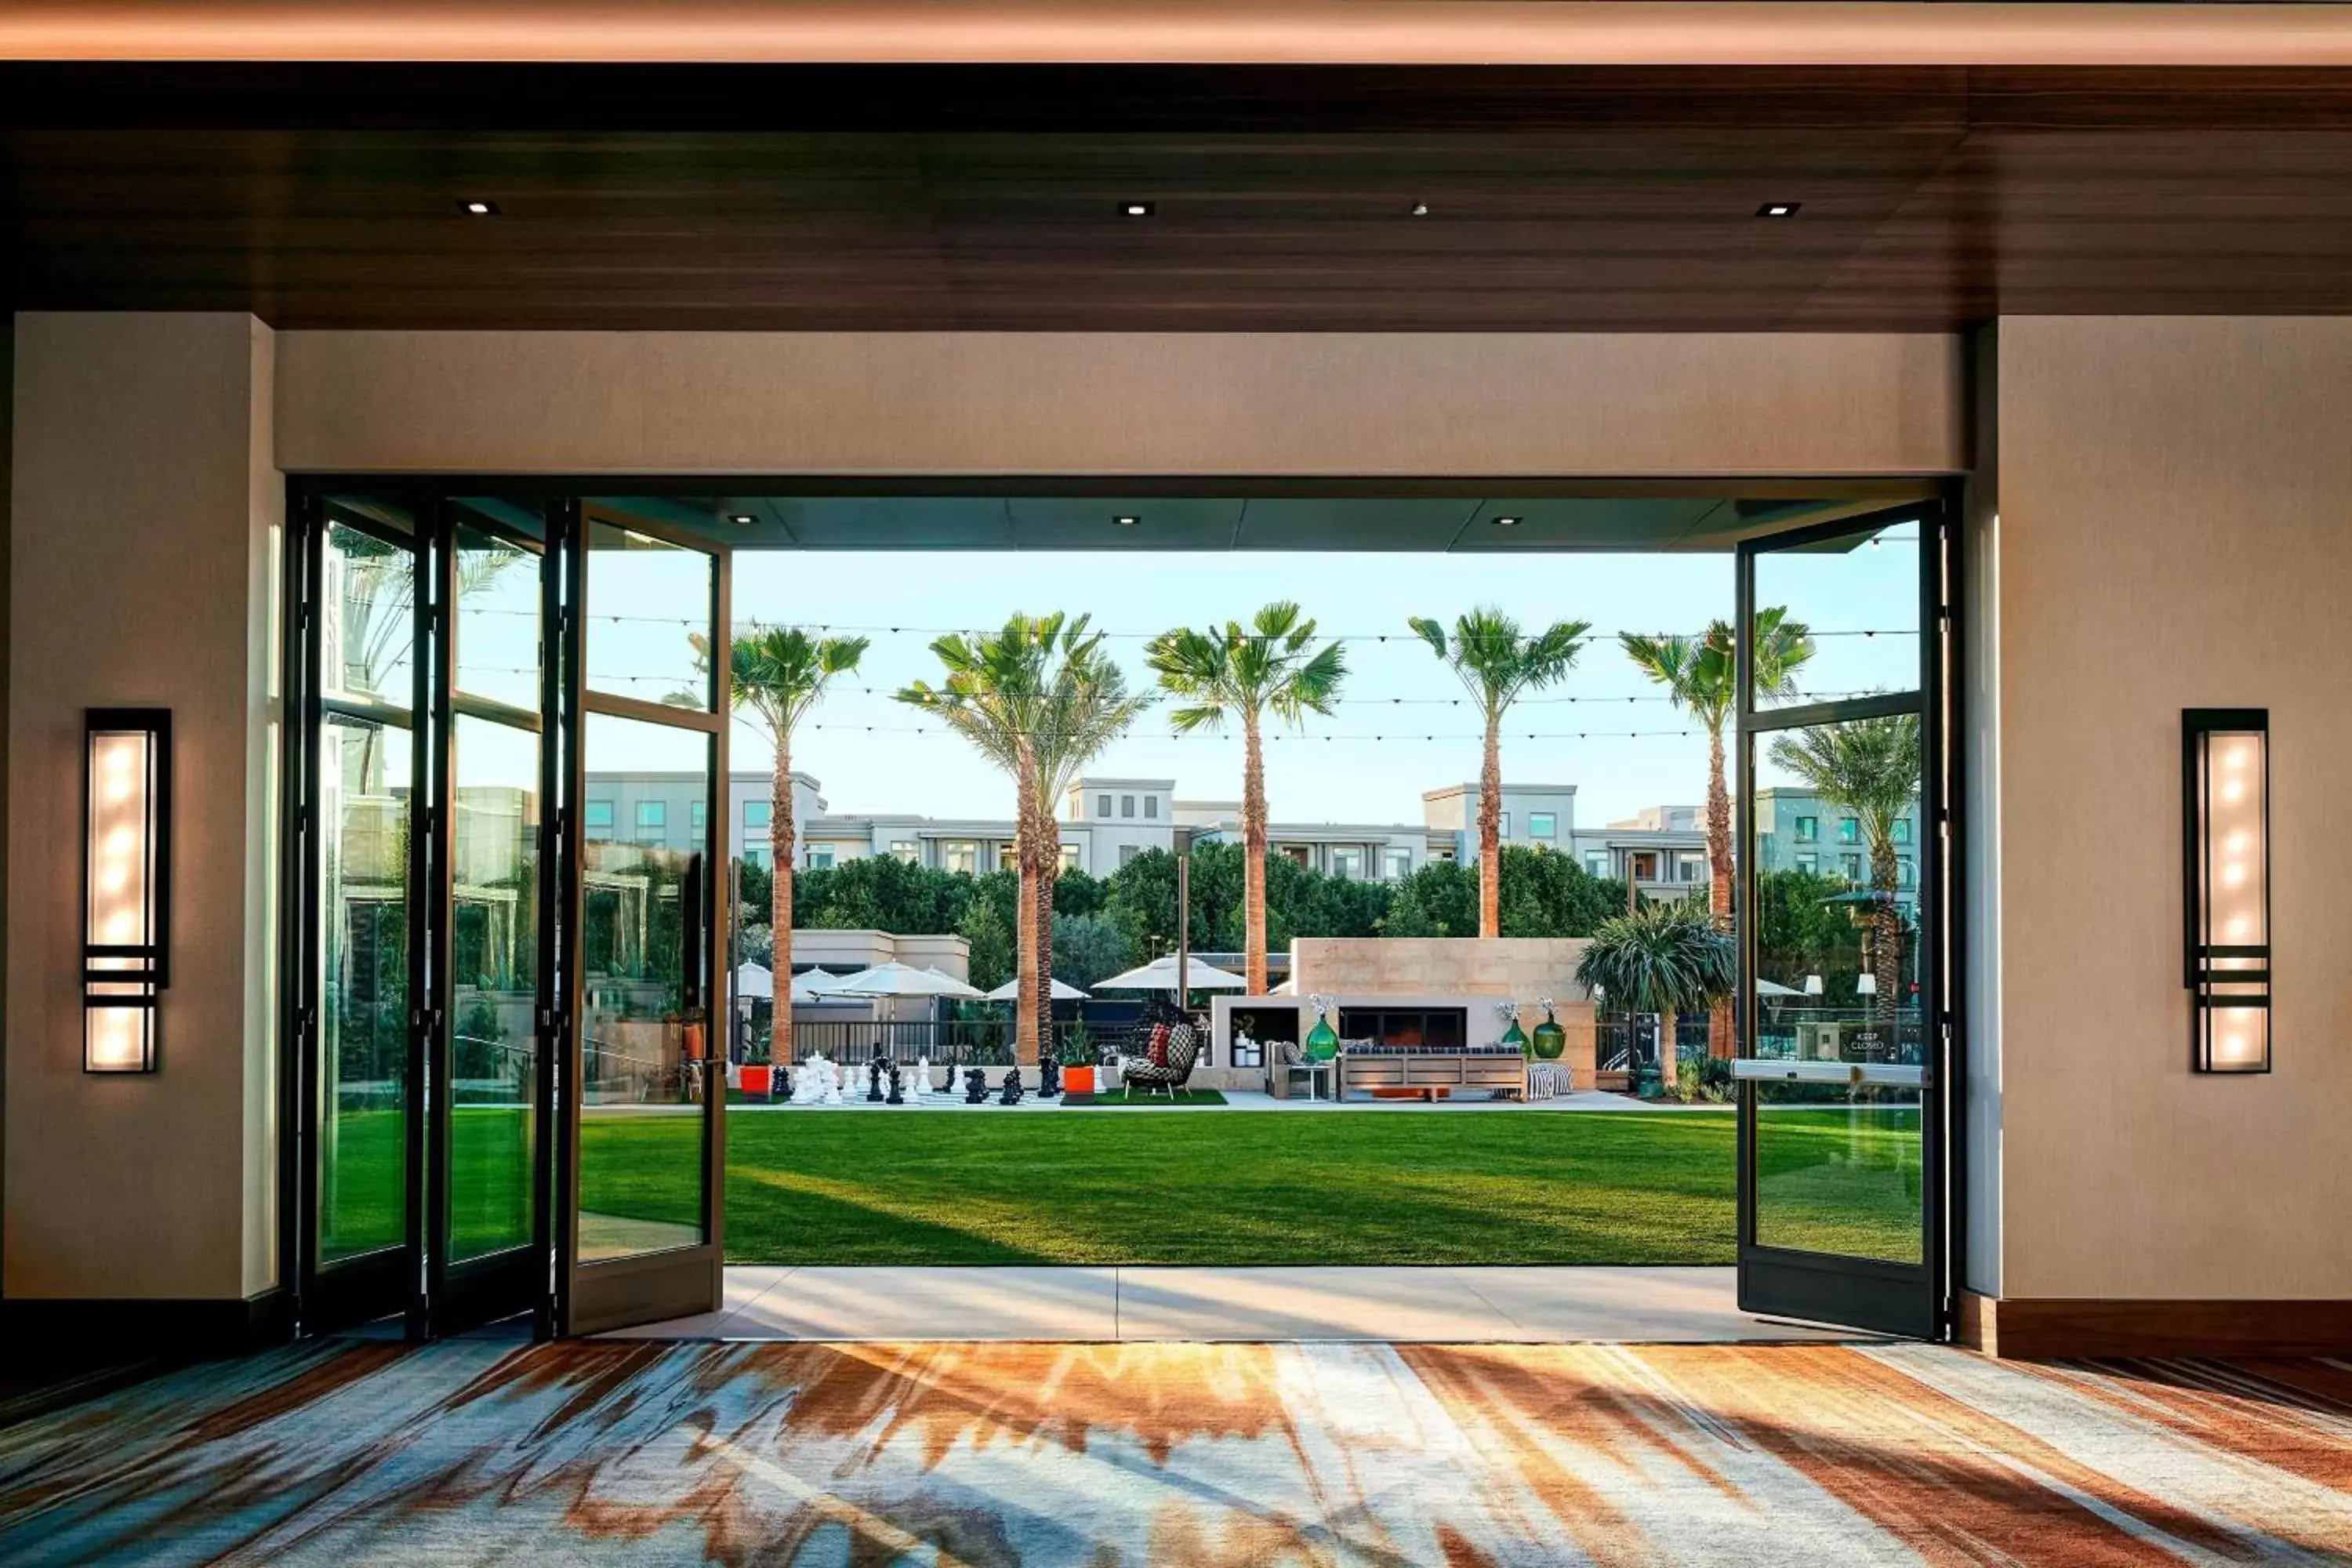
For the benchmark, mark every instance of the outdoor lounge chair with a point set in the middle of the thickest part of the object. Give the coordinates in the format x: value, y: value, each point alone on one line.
x: 1139, y: 1073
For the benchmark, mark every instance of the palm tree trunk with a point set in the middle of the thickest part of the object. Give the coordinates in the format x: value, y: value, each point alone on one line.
x: 1025, y: 1028
x: 1253, y: 856
x: 1049, y: 872
x: 1887, y: 959
x: 782, y: 844
x: 1490, y: 831
x: 1669, y: 1058
x: 1720, y: 1025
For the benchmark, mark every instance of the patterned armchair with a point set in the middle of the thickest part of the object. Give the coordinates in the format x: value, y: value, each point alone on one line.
x: 1141, y: 1075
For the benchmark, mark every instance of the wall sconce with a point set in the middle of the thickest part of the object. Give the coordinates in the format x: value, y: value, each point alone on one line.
x: 2225, y: 758
x: 126, y: 884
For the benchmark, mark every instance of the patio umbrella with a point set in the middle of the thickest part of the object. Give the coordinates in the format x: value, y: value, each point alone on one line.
x: 819, y: 983
x: 1774, y: 988
x: 895, y: 979
x: 1011, y: 992
x: 1160, y: 975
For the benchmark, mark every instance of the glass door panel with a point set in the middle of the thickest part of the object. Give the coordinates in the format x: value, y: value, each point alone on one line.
x: 1842, y: 1050
x: 646, y: 1087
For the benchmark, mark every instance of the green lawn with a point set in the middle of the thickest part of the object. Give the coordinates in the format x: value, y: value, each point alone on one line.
x: 1238, y: 1187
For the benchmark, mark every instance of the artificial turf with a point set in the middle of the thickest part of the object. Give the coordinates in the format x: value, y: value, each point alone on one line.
x: 1233, y: 1187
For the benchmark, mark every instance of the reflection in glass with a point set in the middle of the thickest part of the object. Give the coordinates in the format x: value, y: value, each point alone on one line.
x: 362, y: 986
x: 642, y: 1044
x: 370, y: 631
x: 494, y: 979
x: 1837, y: 982
x: 497, y: 643
x: 1859, y: 598
x: 649, y: 621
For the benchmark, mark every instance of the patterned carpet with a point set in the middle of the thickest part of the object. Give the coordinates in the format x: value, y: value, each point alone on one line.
x: 476, y: 1453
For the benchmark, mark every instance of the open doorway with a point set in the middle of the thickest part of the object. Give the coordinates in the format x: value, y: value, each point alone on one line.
x: 1124, y: 1050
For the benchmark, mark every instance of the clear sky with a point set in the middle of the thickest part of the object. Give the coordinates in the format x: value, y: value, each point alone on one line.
x: 1398, y: 730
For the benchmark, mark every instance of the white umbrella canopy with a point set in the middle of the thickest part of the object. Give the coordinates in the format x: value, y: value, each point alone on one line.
x: 757, y: 980
x: 1774, y: 988
x: 1011, y: 992
x: 896, y: 979
x: 1160, y: 975
x: 819, y: 983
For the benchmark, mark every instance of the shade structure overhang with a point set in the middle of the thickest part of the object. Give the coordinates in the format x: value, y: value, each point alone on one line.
x: 1011, y: 992
x: 895, y: 979
x: 1160, y: 975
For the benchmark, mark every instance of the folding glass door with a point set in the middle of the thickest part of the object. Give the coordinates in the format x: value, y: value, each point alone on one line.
x: 1844, y: 1059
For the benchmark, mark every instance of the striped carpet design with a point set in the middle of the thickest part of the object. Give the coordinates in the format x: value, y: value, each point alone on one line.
x: 476, y: 1453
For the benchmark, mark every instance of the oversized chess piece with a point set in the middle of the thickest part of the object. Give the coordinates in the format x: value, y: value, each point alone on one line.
x: 921, y: 1088
x: 1049, y: 1079
x: 830, y: 1079
x: 896, y: 1096
x: 874, y: 1080
x: 1011, y: 1095
x: 975, y: 1087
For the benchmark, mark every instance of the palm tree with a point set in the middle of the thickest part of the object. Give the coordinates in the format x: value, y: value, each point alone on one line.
x: 1702, y: 675
x: 779, y: 674
x: 1271, y: 668
x: 1498, y: 664
x: 1666, y: 959
x: 1038, y: 698
x: 1871, y: 768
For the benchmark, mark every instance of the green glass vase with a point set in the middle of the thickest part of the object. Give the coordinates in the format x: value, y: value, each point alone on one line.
x: 1515, y: 1037
x: 1322, y: 1041
x: 1550, y: 1039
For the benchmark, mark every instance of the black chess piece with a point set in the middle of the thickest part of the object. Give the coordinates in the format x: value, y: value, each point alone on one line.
x: 975, y: 1087
x: 896, y: 1095
x: 1049, y: 1079
x: 1011, y: 1095
x: 874, y: 1081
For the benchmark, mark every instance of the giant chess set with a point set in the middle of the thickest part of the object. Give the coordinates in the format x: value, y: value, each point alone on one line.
x: 819, y: 1081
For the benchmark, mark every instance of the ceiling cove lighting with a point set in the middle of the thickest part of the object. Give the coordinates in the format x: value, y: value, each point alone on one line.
x: 478, y: 208
x: 2225, y: 787
x: 1127, y: 519
x: 126, y: 876
x: 1137, y: 209
x: 1779, y: 209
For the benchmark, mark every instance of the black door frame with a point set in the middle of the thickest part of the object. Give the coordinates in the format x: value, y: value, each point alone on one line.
x: 1916, y: 1300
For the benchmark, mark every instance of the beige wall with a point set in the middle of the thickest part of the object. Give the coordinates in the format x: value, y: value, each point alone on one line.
x: 1526, y: 969
x: 2175, y: 530
x: 145, y: 510
x: 983, y: 403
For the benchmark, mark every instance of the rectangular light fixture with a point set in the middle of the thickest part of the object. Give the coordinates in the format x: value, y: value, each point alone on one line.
x: 126, y: 884
x: 2226, y: 813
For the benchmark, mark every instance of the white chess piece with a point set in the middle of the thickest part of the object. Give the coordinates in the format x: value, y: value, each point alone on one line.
x: 918, y: 1088
x: 832, y: 1078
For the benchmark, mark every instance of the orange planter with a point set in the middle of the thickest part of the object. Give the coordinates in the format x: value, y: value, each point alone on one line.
x: 756, y: 1079
x: 1078, y: 1080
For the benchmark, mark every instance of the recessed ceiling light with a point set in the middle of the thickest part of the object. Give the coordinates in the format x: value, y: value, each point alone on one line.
x: 1779, y: 209
x: 1127, y: 519
x: 1421, y: 209
x: 1137, y: 209
x: 1507, y: 522
x: 742, y: 519
x: 478, y: 208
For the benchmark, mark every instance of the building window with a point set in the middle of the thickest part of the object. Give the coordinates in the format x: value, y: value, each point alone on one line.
x: 762, y: 857
x: 1347, y: 863
x: 653, y: 820
x: 697, y: 814
x: 1102, y: 805
x: 1127, y: 806
x: 1899, y: 830
x: 1691, y: 867
x: 1542, y: 825
x: 1151, y: 805
x: 904, y: 849
x: 1006, y: 859
x: 1765, y: 851
x: 1905, y: 874
x: 1127, y: 852
x: 1811, y: 864
x: 820, y: 856
x: 1506, y: 831
x: 1809, y: 829
x: 1299, y: 853
x: 596, y: 816
x: 1069, y: 856
x: 1400, y: 864
x: 1850, y: 867
x: 1848, y: 830
x: 960, y: 855
x: 758, y: 812
x: 1596, y: 862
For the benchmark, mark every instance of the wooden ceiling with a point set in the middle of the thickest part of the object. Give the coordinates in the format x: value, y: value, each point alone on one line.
x: 988, y: 198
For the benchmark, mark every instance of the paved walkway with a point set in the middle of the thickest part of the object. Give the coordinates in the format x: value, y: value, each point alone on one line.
x: 1425, y: 1306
